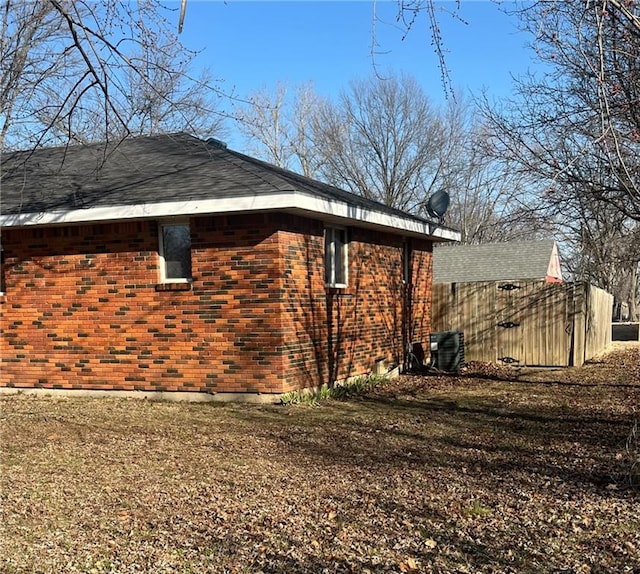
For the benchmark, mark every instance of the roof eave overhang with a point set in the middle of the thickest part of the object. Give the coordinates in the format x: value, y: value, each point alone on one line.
x: 334, y: 211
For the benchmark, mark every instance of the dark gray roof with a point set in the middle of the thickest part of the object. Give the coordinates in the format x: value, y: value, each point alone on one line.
x: 146, y: 170
x: 514, y: 260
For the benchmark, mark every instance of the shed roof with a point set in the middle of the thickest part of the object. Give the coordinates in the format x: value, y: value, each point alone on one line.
x: 513, y: 260
x: 174, y: 174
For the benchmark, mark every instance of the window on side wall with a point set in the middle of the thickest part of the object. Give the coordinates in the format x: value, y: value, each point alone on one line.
x: 335, y: 257
x: 175, y: 252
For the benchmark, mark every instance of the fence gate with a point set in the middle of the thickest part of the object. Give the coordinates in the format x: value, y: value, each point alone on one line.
x: 508, y: 321
x: 534, y: 323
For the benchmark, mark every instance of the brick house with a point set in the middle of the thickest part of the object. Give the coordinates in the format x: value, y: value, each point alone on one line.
x: 169, y: 263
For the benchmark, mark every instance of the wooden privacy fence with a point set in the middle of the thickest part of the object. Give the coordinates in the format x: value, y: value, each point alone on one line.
x: 525, y: 322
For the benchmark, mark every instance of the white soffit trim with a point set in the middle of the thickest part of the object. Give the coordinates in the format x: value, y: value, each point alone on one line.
x: 282, y: 201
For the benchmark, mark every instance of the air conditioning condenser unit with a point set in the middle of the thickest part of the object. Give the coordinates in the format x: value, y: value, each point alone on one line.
x: 447, y: 350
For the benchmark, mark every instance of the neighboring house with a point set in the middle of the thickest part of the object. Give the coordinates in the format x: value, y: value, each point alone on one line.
x: 169, y: 263
x: 513, y: 260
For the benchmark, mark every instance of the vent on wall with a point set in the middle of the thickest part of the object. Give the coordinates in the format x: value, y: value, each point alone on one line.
x: 447, y: 350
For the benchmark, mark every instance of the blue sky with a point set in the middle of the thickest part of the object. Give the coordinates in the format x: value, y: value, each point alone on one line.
x: 253, y: 44
x: 250, y: 45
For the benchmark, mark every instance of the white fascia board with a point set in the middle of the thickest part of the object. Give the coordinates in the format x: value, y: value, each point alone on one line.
x: 282, y: 201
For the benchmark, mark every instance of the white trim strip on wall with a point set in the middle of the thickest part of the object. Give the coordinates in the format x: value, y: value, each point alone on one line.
x: 292, y: 201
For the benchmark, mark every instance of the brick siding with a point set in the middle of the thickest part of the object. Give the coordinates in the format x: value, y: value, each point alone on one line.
x: 83, y: 308
x: 331, y: 334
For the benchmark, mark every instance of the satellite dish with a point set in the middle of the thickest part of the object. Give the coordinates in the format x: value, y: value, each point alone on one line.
x: 438, y: 204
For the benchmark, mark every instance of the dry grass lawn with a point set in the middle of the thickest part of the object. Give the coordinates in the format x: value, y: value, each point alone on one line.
x: 493, y: 470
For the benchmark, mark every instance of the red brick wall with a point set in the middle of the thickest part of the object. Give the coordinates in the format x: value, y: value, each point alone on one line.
x: 82, y: 310
x: 419, y: 295
x: 332, y: 334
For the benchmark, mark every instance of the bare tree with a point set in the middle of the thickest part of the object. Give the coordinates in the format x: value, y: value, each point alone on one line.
x: 489, y: 199
x: 426, y: 15
x: 91, y: 69
x: 578, y: 126
x: 602, y: 246
x: 277, y: 126
x: 171, y: 100
x: 574, y: 134
x: 264, y: 124
x: 384, y: 140
x: 381, y: 139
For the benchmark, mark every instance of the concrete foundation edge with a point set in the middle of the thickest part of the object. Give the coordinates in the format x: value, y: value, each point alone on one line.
x: 174, y: 396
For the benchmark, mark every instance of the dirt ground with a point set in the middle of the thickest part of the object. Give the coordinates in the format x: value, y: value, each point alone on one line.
x: 490, y: 470
x: 621, y: 346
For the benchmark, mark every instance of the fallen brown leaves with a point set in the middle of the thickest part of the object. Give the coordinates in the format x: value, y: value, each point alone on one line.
x: 492, y: 470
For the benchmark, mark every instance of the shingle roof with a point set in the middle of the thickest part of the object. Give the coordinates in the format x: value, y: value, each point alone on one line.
x: 150, y: 170
x: 514, y: 260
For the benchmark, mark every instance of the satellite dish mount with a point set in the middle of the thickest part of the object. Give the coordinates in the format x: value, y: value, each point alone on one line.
x: 438, y: 204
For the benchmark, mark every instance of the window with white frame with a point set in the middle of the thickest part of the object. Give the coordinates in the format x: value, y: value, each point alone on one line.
x: 335, y: 256
x: 175, y: 252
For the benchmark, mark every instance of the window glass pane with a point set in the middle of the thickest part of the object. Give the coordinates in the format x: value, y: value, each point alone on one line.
x: 335, y: 256
x: 328, y: 239
x: 340, y: 241
x: 176, y: 241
